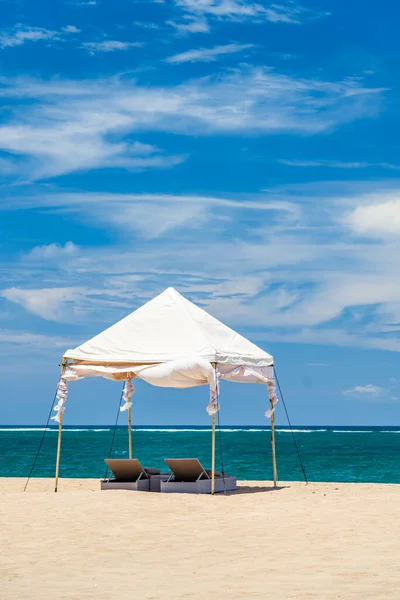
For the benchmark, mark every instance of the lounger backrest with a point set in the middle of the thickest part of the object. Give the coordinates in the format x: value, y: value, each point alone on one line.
x: 186, y: 469
x: 126, y: 469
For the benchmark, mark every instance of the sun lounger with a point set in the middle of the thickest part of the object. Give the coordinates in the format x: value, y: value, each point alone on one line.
x: 128, y: 475
x: 188, y: 476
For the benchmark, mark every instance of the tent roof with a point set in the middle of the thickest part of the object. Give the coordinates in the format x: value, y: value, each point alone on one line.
x: 169, y: 327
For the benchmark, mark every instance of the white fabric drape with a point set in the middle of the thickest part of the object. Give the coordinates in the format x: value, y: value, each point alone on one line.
x: 61, y: 395
x: 182, y: 373
x: 273, y: 398
x: 253, y: 375
x: 127, y: 394
x: 213, y: 405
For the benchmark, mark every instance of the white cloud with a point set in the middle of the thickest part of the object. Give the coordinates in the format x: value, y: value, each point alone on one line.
x: 284, y: 288
x: 375, y: 390
x: 190, y: 26
x: 86, y: 124
x: 379, y: 218
x: 371, y: 392
x: 293, y: 272
x: 291, y: 13
x: 108, y: 46
x: 338, y: 164
x: 222, y: 8
x: 164, y: 218
x: 370, y: 389
x: 280, y: 14
x: 146, y: 25
x: 329, y: 336
x: 48, y: 303
x: 26, y: 339
x: 207, y: 54
x: 71, y: 29
x: 20, y: 34
x: 52, y: 252
x: 241, y: 10
x: 130, y: 212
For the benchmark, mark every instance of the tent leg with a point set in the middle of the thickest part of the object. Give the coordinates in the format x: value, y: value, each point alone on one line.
x: 58, y: 451
x: 213, y: 454
x: 130, y: 431
x: 273, y: 446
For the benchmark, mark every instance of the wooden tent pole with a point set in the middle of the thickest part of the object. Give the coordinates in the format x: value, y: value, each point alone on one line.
x: 273, y: 445
x: 130, y: 430
x: 58, y: 452
x: 214, y: 418
x: 213, y: 422
x: 63, y: 366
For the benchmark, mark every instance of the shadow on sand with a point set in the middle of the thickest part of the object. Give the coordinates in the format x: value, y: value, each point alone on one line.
x: 254, y: 489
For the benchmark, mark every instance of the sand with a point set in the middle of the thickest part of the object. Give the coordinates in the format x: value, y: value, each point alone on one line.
x: 322, y: 541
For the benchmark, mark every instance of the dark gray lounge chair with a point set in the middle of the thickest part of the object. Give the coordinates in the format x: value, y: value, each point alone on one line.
x: 188, y: 476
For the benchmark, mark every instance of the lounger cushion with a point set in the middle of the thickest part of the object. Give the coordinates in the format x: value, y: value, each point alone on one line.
x: 216, y: 473
x: 152, y: 471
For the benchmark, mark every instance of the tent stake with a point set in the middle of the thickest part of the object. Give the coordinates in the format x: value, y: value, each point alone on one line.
x: 130, y: 431
x: 273, y: 445
x: 213, y: 454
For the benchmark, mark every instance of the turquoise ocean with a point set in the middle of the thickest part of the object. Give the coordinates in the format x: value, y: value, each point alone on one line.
x: 342, y: 454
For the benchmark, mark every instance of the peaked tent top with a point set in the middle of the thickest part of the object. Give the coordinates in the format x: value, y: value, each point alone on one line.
x: 169, y: 327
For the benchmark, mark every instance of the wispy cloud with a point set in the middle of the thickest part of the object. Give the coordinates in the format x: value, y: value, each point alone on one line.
x: 273, y: 276
x: 317, y: 364
x: 76, y: 125
x: 130, y: 212
x: 239, y: 10
x: 332, y: 336
x: 146, y: 25
x: 371, y: 393
x: 338, y: 164
x: 292, y: 13
x: 21, y: 34
x: 26, y: 339
x: 109, y: 46
x: 190, y: 25
x: 45, y: 303
x: 369, y: 389
x: 207, y: 54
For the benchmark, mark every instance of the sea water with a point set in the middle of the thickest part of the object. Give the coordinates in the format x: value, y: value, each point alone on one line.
x: 347, y: 454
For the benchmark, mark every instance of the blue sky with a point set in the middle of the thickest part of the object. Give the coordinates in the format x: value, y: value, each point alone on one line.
x: 246, y: 153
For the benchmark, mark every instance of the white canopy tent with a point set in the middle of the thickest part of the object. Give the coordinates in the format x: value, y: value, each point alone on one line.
x: 169, y: 342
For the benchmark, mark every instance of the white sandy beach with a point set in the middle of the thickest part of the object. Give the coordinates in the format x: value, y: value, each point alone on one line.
x: 322, y: 541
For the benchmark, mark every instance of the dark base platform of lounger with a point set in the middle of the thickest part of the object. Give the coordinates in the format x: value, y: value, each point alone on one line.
x: 155, y: 481
x: 141, y: 485
x: 202, y: 486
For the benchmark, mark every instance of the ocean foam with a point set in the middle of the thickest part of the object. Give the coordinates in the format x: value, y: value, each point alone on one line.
x: 55, y: 429
x: 353, y: 431
x: 27, y: 429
